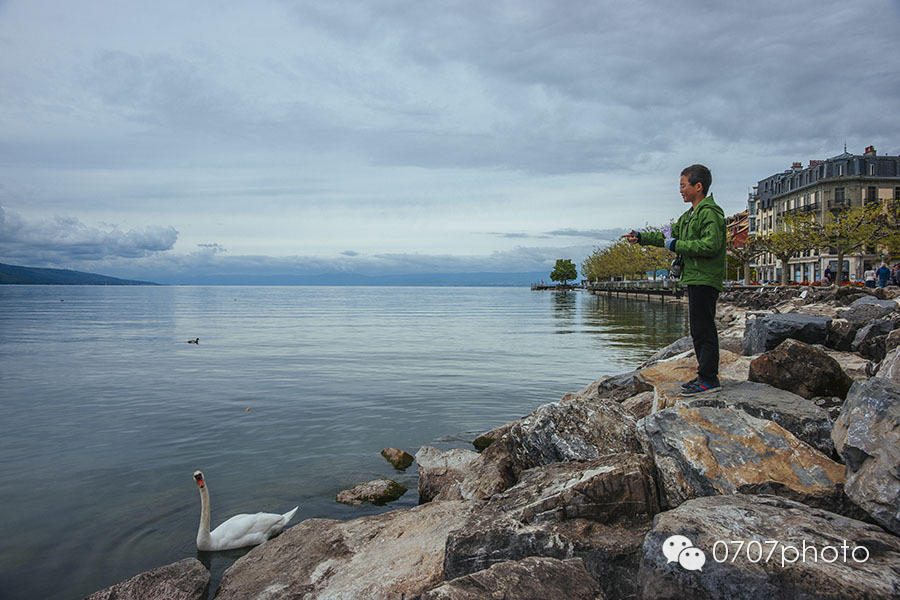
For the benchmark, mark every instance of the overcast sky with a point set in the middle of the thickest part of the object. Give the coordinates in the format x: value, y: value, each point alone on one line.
x: 160, y: 139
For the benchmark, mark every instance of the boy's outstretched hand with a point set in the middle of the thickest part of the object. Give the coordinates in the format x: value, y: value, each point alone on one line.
x: 631, y: 237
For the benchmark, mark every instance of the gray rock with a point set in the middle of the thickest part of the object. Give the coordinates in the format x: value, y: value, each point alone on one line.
x: 892, y: 341
x: 572, y: 429
x: 398, y: 458
x: 186, y: 579
x: 710, y: 451
x: 872, y: 329
x: 378, y: 491
x: 840, y: 334
x: 867, y: 437
x: 640, y: 405
x: 677, y: 347
x: 802, y: 369
x: 712, y: 523
x: 610, y: 551
x: 611, y: 487
x: 528, y: 579
x: 398, y: 554
x: 798, y: 415
x: 868, y: 308
x: 439, y: 471
x: 489, y: 437
x: 613, y: 387
x: 889, y: 368
x: 765, y: 333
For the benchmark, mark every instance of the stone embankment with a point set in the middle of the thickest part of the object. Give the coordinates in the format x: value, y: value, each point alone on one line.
x: 783, y: 484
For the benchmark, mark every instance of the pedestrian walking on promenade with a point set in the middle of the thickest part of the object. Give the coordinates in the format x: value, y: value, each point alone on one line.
x: 884, y: 274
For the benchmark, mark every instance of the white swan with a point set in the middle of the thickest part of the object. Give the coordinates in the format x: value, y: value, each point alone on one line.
x: 238, y: 531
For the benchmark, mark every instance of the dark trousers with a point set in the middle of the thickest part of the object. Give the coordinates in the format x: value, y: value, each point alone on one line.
x: 702, y: 311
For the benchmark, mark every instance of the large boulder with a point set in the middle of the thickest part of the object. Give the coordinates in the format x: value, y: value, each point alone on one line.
x: 683, y: 367
x: 610, y: 551
x: 889, y: 368
x: 597, y: 510
x: 571, y: 429
x: 526, y: 579
x: 798, y: 415
x: 841, y: 333
x: 708, y: 451
x: 639, y: 405
x: 489, y: 437
x: 612, y: 387
x: 398, y: 554
x: 870, y: 340
x: 765, y: 333
x: 867, y: 437
x: 186, y: 579
x: 679, y: 346
x: 611, y: 487
x: 776, y: 549
x: 853, y: 365
x: 802, y: 369
x: 868, y: 308
x: 440, y: 471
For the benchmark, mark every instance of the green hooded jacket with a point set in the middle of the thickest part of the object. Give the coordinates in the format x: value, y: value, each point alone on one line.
x: 700, y: 232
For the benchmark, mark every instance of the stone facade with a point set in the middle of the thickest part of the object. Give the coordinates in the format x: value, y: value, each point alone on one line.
x: 844, y: 181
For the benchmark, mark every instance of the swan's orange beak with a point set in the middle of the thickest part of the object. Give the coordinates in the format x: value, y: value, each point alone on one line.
x: 199, y: 478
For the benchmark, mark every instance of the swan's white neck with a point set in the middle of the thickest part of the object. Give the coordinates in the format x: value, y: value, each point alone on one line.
x: 203, y: 538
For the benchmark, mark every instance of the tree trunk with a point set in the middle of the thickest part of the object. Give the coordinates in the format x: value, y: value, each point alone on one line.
x: 839, y: 272
x: 784, y: 270
x: 747, y: 272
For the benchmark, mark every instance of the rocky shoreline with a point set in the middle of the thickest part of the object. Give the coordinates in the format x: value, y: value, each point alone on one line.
x: 783, y: 484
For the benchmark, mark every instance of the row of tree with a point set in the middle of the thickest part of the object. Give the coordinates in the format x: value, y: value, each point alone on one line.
x: 621, y: 259
x: 847, y: 231
x: 844, y: 232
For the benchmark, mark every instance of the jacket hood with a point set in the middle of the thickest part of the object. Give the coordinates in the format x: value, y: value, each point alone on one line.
x: 710, y: 203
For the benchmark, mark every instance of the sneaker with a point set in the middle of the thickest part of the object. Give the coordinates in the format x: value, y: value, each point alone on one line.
x: 700, y: 387
x: 689, y: 384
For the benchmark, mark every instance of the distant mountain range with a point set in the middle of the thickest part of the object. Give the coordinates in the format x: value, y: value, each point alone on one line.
x: 13, y: 274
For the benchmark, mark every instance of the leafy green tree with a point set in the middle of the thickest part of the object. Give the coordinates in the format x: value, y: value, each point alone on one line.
x: 744, y: 255
x: 564, y: 271
x: 796, y: 236
x: 850, y: 230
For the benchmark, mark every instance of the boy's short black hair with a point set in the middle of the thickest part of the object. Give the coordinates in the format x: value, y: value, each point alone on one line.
x: 698, y: 174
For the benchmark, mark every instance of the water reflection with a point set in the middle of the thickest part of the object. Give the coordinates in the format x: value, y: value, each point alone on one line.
x: 632, y: 323
x: 565, y: 307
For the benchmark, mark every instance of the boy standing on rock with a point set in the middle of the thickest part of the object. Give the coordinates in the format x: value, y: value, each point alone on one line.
x: 699, y: 238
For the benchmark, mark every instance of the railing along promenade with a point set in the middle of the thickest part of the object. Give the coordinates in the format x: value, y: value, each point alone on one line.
x: 664, y: 288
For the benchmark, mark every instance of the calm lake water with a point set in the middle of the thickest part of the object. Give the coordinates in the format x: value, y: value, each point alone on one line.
x: 106, y: 412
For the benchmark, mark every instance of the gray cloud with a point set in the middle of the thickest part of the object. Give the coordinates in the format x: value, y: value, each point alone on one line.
x: 596, y: 234
x: 292, y: 128
x: 66, y: 239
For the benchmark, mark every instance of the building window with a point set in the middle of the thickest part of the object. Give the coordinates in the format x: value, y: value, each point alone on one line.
x: 871, y: 194
x: 839, y: 195
x: 840, y: 170
x: 897, y: 193
x: 872, y: 169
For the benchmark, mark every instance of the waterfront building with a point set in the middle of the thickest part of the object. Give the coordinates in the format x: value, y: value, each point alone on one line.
x: 823, y: 186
